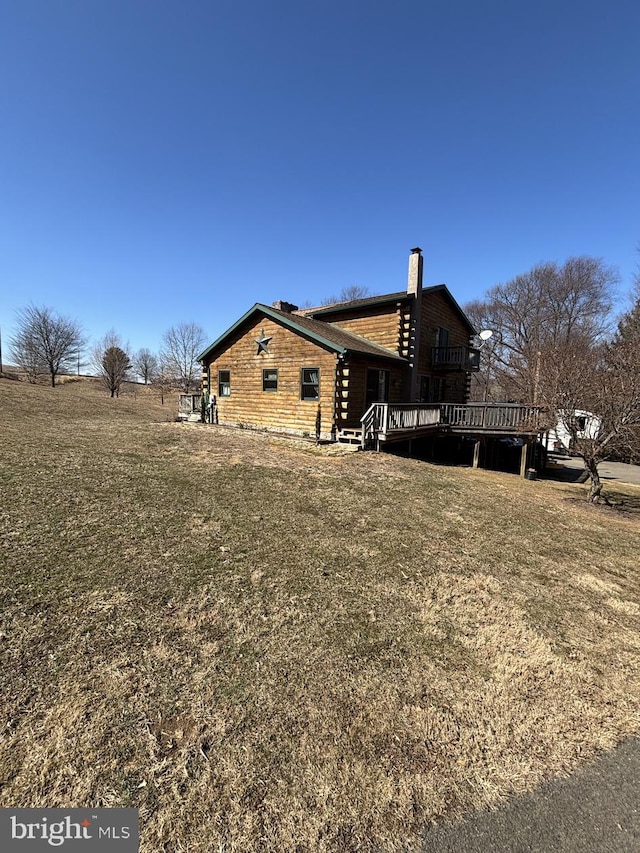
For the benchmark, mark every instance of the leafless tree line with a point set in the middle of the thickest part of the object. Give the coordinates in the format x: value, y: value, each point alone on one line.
x: 537, y: 315
x: 348, y: 294
x: 46, y: 343
x: 555, y: 344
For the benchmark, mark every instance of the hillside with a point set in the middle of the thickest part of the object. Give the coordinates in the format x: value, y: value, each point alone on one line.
x: 267, y: 646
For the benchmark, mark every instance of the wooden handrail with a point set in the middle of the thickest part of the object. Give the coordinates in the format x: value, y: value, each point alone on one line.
x: 496, y: 416
x: 382, y: 419
x: 467, y: 358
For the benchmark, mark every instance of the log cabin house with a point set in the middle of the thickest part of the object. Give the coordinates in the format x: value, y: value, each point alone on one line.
x: 381, y: 369
x: 294, y: 370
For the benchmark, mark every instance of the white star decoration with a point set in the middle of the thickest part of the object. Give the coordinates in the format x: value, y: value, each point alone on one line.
x: 263, y: 343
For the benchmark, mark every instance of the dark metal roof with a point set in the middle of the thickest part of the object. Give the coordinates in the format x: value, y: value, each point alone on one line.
x: 401, y: 296
x: 356, y: 303
x: 323, y: 333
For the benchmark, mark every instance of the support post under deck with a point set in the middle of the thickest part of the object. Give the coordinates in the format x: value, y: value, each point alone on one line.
x: 523, y: 457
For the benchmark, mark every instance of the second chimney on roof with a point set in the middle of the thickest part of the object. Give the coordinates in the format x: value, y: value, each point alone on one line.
x: 287, y: 307
x: 414, y: 284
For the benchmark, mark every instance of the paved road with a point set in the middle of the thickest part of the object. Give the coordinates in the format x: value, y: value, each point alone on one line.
x: 608, y: 470
x: 596, y: 810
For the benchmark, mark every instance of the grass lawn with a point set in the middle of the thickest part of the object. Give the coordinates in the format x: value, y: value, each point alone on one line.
x: 267, y: 646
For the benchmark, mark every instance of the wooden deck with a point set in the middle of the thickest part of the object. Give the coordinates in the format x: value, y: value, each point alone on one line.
x: 386, y: 422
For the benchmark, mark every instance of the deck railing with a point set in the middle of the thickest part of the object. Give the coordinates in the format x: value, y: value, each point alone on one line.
x: 375, y: 421
x: 188, y: 403
x: 491, y: 416
x: 410, y: 416
x: 464, y: 358
x: 382, y: 420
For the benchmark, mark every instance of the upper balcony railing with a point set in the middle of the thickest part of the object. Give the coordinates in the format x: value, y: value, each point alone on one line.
x: 455, y: 358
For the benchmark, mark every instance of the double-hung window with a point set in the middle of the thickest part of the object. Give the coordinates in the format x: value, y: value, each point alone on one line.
x: 310, y: 383
x: 270, y: 379
x: 224, y: 383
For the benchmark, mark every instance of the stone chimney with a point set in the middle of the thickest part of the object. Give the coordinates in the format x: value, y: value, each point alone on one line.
x: 287, y: 307
x: 414, y: 284
x: 414, y: 288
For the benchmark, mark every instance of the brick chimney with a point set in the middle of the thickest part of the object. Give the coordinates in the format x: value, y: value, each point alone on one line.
x: 287, y: 307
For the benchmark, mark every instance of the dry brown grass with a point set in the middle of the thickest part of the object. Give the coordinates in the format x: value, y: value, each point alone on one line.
x: 270, y: 647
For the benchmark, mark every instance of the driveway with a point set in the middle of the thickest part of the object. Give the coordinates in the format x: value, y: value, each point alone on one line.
x: 595, y: 810
x: 608, y: 470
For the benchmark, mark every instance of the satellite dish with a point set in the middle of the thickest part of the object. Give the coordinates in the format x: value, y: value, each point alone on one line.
x: 486, y: 334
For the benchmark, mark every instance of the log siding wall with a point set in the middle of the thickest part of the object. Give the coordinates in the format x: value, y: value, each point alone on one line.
x: 437, y: 312
x: 282, y: 409
x: 379, y: 324
x: 390, y: 326
x: 352, y: 389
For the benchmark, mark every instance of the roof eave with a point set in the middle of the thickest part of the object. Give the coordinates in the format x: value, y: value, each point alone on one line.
x: 279, y: 318
x: 226, y: 334
x: 389, y: 298
x: 354, y: 305
x: 389, y: 356
x: 455, y: 304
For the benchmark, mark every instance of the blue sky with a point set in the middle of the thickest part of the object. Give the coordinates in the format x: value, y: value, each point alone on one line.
x: 166, y: 161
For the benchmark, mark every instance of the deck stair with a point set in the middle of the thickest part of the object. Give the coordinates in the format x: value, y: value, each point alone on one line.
x: 350, y: 436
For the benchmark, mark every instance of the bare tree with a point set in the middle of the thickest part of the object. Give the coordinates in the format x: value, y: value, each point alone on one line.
x: 348, y: 294
x: 27, y: 355
x: 629, y: 325
x: 535, y: 315
x: 112, y: 362
x: 145, y: 364
x: 626, y: 346
x: 45, y: 342
x: 181, y: 346
x: 163, y: 381
x: 601, y: 381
